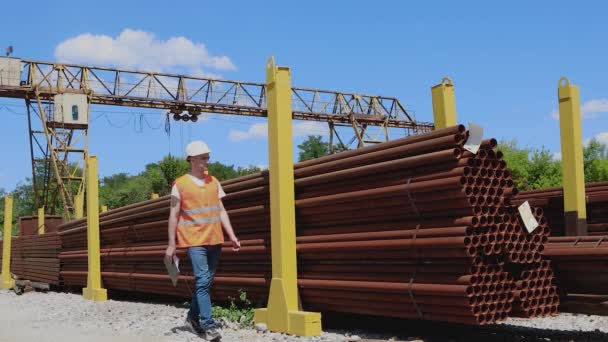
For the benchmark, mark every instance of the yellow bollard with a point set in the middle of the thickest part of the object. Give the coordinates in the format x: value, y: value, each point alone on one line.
x: 41, y: 226
x: 282, y: 313
x: 575, y: 211
x: 153, y: 196
x: 93, y: 291
x: 444, y: 104
x: 79, y: 205
x: 104, y: 208
x: 6, y: 281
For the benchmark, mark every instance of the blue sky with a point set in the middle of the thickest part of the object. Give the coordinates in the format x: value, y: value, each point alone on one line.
x: 505, y: 59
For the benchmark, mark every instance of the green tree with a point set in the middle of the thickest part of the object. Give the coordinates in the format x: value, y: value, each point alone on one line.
x: 531, y: 168
x: 544, y: 171
x: 595, y: 156
x: 313, y: 147
x: 172, y: 167
x: 517, y: 162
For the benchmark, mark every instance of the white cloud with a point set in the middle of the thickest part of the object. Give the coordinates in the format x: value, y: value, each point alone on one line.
x: 557, y: 155
x: 255, y: 131
x: 589, y: 109
x: 137, y: 49
x: 602, y: 137
x: 305, y: 128
x: 260, y: 130
x: 555, y: 115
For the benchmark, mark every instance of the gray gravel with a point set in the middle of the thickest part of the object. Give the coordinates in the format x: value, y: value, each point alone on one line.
x: 54, y: 316
x: 67, y: 317
x: 564, y: 322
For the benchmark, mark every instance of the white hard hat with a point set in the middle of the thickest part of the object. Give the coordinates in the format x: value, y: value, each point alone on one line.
x: 197, y: 147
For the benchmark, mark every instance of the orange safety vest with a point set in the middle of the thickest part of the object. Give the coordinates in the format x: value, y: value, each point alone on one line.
x: 199, y: 217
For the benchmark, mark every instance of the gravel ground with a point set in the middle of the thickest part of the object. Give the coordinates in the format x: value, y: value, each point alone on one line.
x: 564, y: 322
x: 67, y: 317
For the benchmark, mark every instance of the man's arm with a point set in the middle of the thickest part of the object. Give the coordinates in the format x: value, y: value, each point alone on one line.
x: 173, y: 217
x: 236, y: 244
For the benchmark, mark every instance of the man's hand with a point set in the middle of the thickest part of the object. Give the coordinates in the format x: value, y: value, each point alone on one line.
x: 236, y: 244
x: 170, y: 252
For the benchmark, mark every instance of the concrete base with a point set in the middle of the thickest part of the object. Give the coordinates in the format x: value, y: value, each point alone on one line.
x: 7, y: 285
x: 96, y: 295
x: 573, y: 225
x: 300, y: 323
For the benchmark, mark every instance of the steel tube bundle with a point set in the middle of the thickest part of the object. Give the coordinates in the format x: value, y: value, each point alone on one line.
x: 552, y: 201
x: 581, y: 268
x: 35, y: 257
x: 415, y: 228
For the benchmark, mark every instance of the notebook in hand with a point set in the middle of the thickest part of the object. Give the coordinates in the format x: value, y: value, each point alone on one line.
x: 172, y: 266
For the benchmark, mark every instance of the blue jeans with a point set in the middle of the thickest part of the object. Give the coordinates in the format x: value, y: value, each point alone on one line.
x: 204, y: 262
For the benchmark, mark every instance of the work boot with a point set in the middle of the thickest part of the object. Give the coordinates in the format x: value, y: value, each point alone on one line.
x: 194, y: 326
x: 212, y: 333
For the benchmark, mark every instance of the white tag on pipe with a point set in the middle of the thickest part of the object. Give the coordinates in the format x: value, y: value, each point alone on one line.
x: 474, y: 141
x: 526, y: 215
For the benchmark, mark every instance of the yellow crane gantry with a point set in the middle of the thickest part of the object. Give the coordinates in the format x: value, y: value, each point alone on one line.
x: 58, y: 97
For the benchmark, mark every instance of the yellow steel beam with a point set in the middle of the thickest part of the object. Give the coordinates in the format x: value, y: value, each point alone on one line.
x: 575, y: 211
x: 153, y: 196
x: 6, y: 281
x: 104, y: 208
x: 444, y: 104
x: 93, y: 291
x: 282, y: 313
x: 41, y: 225
x: 79, y: 205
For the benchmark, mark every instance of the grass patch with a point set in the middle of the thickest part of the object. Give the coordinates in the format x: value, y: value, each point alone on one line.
x: 239, y: 311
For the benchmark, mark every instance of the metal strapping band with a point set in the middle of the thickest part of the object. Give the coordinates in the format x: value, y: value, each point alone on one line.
x: 409, y: 289
x: 411, y: 293
x: 599, y: 242
x: 409, y: 196
x: 132, y: 227
x: 576, y: 241
x: 414, y: 241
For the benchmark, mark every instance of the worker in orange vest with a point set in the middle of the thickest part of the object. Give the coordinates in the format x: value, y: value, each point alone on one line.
x: 196, y: 220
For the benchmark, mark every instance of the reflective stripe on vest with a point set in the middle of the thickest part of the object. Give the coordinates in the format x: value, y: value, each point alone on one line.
x: 201, y: 210
x: 199, y: 221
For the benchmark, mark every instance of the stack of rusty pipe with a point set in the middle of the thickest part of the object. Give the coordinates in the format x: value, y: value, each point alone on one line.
x: 581, y: 263
x: 552, y: 201
x: 415, y: 228
x: 35, y: 257
x: 133, y: 241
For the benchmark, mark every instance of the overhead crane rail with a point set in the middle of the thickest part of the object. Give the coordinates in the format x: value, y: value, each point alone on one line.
x: 195, y: 95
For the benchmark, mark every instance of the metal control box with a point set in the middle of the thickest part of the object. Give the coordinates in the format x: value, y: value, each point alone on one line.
x: 10, y: 71
x: 71, y: 109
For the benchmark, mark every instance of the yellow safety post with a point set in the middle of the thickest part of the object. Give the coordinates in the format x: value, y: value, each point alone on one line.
x: 575, y: 211
x: 93, y: 291
x: 283, y: 313
x: 79, y: 205
x: 104, y: 208
x: 41, y: 226
x: 6, y: 281
x: 444, y: 104
x: 153, y: 196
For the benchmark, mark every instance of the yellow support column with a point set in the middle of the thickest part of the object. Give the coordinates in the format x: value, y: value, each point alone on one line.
x: 575, y: 211
x: 93, y: 291
x: 79, y: 205
x: 41, y: 226
x: 283, y: 313
x: 444, y: 104
x: 153, y: 196
x: 6, y: 281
